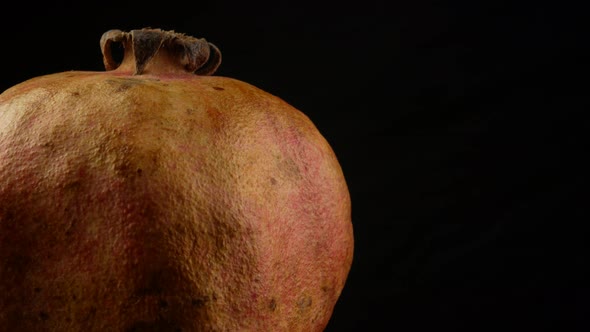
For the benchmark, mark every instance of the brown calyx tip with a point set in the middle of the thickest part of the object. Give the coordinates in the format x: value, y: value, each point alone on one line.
x: 154, y: 50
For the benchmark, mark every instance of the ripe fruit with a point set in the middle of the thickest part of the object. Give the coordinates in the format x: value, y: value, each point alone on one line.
x: 148, y: 198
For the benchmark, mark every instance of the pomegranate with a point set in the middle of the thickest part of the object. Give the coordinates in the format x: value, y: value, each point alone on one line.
x: 156, y: 197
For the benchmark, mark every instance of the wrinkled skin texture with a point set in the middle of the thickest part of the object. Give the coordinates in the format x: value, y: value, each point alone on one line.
x: 154, y: 203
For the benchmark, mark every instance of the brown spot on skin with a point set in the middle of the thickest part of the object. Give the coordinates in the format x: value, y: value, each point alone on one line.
x: 47, y: 145
x: 149, y: 291
x: 76, y: 94
x: 218, y: 88
x: 122, y: 169
x: 123, y: 87
x: 200, y: 301
x: 159, y: 325
x: 124, y: 84
x: 272, y: 305
x: 19, y: 264
x: 304, y: 303
x: 91, y: 313
x: 215, y: 115
x: 163, y: 304
x: 37, y: 289
x: 289, y: 168
x: 73, y: 185
x: 190, y: 111
x: 43, y: 316
x: 273, y: 181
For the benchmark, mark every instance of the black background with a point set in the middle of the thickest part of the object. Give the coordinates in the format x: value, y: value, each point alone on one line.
x: 459, y: 128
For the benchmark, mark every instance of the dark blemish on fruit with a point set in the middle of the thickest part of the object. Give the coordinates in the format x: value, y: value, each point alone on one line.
x: 124, y: 84
x: 74, y: 297
x: 43, y: 316
x: 124, y: 87
x: 139, y: 171
x: 153, y: 286
x: 68, y: 319
x: 76, y: 94
x: 190, y: 111
x: 72, y: 185
x: 218, y: 88
x: 272, y: 305
x: 37, y: 289
x: 122, y: 169
x: 163, y: 304
x: 70, y: 225
x: 19, y: 263
x: 325, y: 289
x: 200, y: 301
x: 289, y: 167
x: 304, y: 303
x: 214, y: 114
x: 273, y: 181
x: 158, y: 325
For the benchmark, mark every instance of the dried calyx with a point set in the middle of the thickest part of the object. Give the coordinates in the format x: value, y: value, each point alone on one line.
x: 148, y: 51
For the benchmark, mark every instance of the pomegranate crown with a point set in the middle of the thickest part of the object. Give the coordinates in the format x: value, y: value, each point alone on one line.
x: 193, y: 55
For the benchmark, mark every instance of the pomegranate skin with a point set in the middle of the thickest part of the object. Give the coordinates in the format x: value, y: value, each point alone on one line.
x: 166, y: 202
